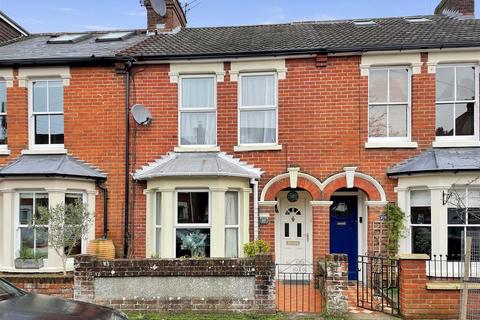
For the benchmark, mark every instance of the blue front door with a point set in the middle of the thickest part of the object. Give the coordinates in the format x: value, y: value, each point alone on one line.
x: 343, y: 230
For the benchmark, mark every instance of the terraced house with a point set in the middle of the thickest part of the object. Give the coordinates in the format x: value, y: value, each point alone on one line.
x: 298, y: 134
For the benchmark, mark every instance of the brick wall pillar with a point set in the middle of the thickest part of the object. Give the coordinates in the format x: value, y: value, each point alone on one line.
x: 336, y: 284
x: 83, y: 278
x: 267, y: 231
x: 265, y: 293
x: 321, y: 229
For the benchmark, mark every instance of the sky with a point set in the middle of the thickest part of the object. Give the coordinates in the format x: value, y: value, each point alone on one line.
x: 80, y: 15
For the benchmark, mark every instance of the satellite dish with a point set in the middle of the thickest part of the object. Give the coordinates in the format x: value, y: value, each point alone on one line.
x: 141, y: 115
x: 159, y: 6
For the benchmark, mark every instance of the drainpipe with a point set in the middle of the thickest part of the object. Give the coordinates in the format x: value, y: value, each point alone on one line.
x: 126, y: 236
x: 105, y: 210
x: 254, y: 183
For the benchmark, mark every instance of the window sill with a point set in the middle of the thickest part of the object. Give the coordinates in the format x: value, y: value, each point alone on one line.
x: 266, y: 147
x: 196, y: 149
x: 45, y: 151
x: 455, y: 144
x: 391, y: 145
x: 4, y: 151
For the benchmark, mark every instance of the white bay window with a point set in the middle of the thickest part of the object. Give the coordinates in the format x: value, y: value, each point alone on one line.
x: 258, y: 112
x: 197, y: 111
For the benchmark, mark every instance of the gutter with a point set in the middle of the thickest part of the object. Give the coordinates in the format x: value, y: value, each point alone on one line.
x: 105, y: 210
x: 412, y: 173
x: 50, y: 61
x: 126, y: 235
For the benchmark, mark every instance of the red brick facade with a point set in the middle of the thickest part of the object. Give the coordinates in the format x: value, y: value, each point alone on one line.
x: 323, y: 127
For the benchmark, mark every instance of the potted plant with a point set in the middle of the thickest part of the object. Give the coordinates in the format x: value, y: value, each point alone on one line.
x: 28, y: 259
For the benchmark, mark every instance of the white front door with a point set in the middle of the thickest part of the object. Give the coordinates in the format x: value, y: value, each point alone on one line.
x: 293, y: 233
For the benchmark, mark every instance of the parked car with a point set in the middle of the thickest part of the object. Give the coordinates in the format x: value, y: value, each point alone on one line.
x: 17, y: 304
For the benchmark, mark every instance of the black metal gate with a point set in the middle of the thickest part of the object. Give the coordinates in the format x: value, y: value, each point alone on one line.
x: 298, y: 289
x: 378, y: 284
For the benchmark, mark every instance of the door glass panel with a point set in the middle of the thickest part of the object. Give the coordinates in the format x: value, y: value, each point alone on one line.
x: 299, y: 230
x: 287, y: 230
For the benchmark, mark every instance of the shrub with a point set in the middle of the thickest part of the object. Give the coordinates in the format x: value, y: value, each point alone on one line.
x: 255, y: 248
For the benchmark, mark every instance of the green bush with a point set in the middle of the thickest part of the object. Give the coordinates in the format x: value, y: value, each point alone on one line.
x: 255, y: 248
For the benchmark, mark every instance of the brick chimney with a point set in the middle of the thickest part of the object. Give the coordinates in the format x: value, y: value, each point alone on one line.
x: 175, y: 17
x: 463, y: 7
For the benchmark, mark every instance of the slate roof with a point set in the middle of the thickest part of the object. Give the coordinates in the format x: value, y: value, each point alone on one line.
x: 35, y: 48
x: 438, y: 160
x: 197, y: 164
x: 312, y: 37
x: 50, y: 165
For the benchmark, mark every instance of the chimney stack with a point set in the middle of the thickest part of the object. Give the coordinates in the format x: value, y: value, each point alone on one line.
x: 174, y: 18
x: 463, y: 7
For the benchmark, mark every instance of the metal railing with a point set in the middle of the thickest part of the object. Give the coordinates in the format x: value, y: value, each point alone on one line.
x: 450, y: 267
x: 378, y: 284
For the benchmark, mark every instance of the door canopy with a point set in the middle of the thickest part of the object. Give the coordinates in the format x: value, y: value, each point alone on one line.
x: 320, y: 191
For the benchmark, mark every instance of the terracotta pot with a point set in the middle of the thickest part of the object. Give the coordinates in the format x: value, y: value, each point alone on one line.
x: 101, y: 248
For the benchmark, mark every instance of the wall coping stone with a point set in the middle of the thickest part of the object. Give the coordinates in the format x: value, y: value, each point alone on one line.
x: 413, y: 256
x: 451, y: 285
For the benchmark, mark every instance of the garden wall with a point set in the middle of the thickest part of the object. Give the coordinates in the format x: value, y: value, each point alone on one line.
x: 51, y: 284
x: 178, y: 284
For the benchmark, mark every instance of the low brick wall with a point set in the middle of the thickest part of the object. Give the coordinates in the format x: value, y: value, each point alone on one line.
x: 417, y: 301
x: 176, y: 285
x: 51, y: 284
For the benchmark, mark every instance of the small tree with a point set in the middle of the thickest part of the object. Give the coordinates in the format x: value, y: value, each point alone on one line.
x: 67, y: 226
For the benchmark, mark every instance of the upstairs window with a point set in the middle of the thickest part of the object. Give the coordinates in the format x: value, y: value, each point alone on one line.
x: 3, y: 113
x: 47, y: 126
x: 456, y: 95
x: 389, y: 104
x: 258, y: 109
x: 197, y: 108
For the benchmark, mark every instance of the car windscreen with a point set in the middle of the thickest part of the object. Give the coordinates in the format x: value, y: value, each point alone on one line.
x: 8, y: 291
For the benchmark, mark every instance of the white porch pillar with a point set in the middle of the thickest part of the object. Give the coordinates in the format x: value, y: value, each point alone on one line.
x: 150, y: 223
x: 55, y: 197
x: 7, y: 243
x: 217, y: 216
x: 91, y: 209
x: 167, y: 242
x: 439, y: 222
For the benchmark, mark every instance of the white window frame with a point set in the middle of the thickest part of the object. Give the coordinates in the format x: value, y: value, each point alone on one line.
x: 157, y: 225
x: 31, y: 118
x: 4, y: 147
x: 256, y: 108
x: 475, y: 136
x: 411, y: 225
x: 84, y: 242
x: 192, y: 225
x: 196, y: 110
x: 234, y: 226
x: 387, y: 139
x: 466, y: 224
x: 17, y: 224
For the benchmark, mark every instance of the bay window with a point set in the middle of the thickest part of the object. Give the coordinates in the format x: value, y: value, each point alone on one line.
x: 73, y: 199
x: 193, y: 224
x: 258, y: 109
x: 420, y: 222
x: 32, y: 237
x: 463, y: 219
x: 232, y: 224
x: 197, y: 111
x: 389, y: 104
x: 456, y: 102
x: 47, y: 122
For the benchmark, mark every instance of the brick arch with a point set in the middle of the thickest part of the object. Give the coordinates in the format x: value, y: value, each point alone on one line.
x: 279, y: 183
x: 367, y: 184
